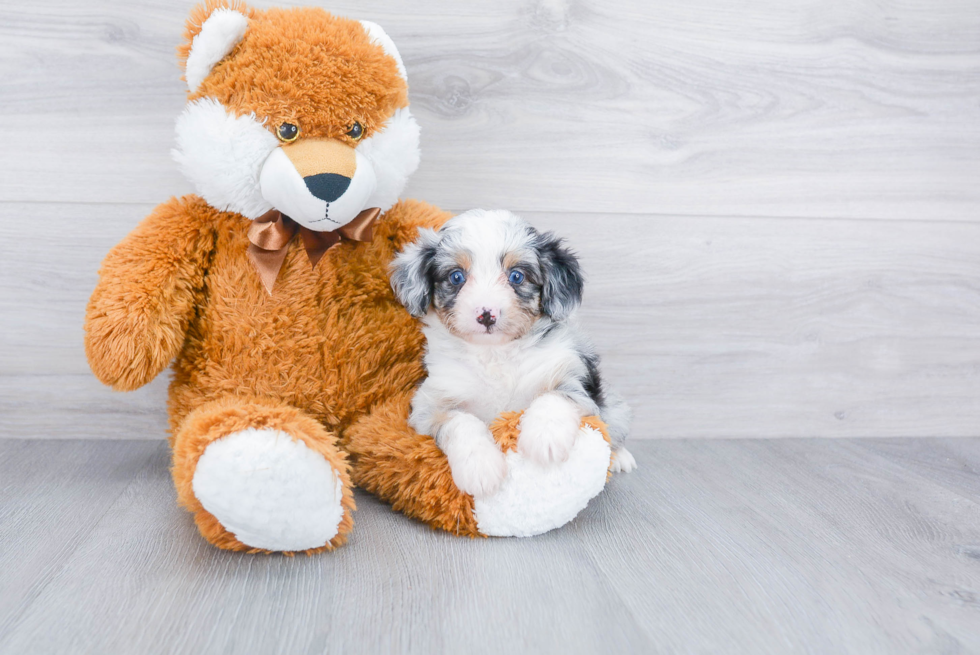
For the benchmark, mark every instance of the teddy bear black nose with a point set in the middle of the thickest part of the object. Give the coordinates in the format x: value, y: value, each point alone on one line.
x: 327, y: 186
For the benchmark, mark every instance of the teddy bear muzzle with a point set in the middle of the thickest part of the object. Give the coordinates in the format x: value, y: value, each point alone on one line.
x: 322, y: 184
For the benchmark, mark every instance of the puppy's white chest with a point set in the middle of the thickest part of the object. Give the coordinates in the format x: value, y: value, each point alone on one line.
x: 502, y: 383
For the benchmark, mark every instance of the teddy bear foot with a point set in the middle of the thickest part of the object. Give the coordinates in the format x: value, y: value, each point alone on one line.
x: 271, y: 491
x: 535, y: 498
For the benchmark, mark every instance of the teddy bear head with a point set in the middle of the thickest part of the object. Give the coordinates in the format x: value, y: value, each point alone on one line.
x: 295, y: 110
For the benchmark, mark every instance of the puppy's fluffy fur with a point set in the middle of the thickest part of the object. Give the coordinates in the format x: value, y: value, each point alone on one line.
x: 497, y: 300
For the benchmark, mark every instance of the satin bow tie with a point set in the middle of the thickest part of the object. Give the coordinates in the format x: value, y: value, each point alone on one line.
x: 270, y: 234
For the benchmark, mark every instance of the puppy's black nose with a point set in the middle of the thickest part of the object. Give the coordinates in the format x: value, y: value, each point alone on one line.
x: 327, y: 186
x: 486, y: 319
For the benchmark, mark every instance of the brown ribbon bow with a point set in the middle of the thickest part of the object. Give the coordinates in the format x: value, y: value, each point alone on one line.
x: 270, y: 234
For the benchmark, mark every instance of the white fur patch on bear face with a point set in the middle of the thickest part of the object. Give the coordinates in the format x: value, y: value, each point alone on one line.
x: 227, y: 158
x: 222, y: 155
x: 236, y: 163
x: 394, y: 154
x: 394, y: 151
x: 288, y: 191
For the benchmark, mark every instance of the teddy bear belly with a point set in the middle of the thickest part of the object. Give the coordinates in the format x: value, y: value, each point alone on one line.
x: 296, y: 346
x: 294, y: 375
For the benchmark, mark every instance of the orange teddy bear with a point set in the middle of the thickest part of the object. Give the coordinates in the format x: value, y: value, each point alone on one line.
x: 294, y: 365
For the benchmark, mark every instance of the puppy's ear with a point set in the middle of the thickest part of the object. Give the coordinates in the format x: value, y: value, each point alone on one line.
x: 411, y: 273
x: 563, y: 280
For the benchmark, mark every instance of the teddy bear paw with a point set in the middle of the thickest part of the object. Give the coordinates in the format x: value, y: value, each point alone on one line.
x: 536, y: 498
x: 271, y: 491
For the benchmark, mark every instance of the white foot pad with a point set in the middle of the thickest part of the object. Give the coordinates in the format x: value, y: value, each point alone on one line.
x: 534, y: 499
x: 269, y: 490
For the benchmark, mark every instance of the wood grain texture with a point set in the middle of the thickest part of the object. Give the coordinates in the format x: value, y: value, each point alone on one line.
x: 815, y: 108
x: 53, y: 494
x: 737, y: 546
x: 711, y: 326
x: 714, y: 163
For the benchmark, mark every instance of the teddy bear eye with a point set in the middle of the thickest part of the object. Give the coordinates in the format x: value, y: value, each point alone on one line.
x: 288, y: 132
x: 356, y: 131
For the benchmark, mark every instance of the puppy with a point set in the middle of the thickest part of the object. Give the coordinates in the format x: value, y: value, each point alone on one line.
x: 497, y: 298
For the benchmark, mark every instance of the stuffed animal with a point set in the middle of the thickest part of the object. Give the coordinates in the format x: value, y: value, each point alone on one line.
x: 268, y: 291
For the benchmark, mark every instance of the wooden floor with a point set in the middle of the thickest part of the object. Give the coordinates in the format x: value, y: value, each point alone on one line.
x: 776, y: 205
x: 736, y: 546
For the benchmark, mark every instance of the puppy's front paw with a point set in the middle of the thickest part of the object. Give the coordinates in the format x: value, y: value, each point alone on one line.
x: 477, y: 464
x: 548, y: 429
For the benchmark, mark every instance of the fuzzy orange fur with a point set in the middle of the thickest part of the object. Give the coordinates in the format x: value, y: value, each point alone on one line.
x: 409, y: 471
x: 150, y: 286
x: 331, y: 357
x: 222, y: 417
x: 507, y: 429
x: 281, y: 72
x: 328, y: 345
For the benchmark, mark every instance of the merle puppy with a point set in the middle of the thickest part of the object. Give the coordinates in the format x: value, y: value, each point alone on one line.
x: 497, y: 299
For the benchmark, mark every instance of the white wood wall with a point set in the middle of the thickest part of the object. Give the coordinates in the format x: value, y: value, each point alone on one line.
x: 777, y: 203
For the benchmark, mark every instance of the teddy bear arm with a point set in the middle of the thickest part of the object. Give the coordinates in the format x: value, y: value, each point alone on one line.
x: 402, y: 222
x: 148, y: 287
x: 410, y: 472
x: 390, y: 460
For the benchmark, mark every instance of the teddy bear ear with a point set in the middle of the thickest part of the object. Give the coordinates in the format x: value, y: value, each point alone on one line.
x: 379, y: 36
x: 213, y: 31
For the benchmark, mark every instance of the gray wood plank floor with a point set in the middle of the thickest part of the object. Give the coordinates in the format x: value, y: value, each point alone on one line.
x: 747, y: 546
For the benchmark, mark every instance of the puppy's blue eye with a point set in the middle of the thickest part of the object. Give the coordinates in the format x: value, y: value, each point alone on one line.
x: 457, y: 277
x: 516, y: 277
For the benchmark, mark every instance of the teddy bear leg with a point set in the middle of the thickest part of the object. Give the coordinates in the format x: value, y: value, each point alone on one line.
x: 535, y: 498
x: 262, y: 476
x: 407, y: 470
x: 410, y: 472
